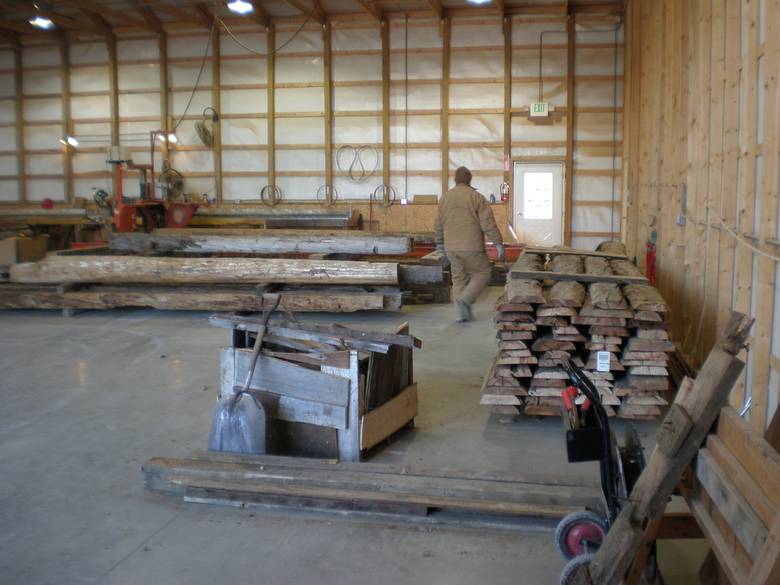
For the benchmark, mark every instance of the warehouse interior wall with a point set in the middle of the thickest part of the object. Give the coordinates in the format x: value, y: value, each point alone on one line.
x: 701, y: 173
x: 303, y: 107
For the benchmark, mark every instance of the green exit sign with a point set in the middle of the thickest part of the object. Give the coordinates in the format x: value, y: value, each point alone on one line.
x: 539, y: 109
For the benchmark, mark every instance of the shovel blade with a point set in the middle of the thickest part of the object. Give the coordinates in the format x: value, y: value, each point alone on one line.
x: 238, y: 426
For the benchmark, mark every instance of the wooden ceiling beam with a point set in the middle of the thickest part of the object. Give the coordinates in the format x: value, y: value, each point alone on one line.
x: 259, y: 15
x: 371, y: 8
x: 14, y: 26
x: 437, y: 8
x: 122, y: 16
x: 151, y: 19
x: 92, y: 12
x: 314, y: 12
x: 203, y: 15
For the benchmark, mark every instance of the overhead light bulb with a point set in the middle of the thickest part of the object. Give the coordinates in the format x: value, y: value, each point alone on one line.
x: 69, y: 141
x: 477, y: 1
x: 240, y: 7
x: 41, y: 22
x: 172, y: 138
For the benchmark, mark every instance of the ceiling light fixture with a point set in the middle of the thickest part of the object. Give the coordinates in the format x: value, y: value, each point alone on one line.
x: 477, y: 1
x: 240, y: 7
x: 69, y: 141
x: 41, y: 22
x: 172, y: 138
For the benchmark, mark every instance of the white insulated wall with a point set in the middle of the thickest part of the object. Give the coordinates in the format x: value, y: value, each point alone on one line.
x: 475, y: 127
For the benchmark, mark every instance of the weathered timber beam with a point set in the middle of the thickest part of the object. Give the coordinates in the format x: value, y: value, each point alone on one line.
x: 165, y: 270
x: 264, y: 242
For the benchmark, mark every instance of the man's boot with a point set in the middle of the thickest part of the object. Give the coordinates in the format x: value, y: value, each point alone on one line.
x: 464, y: 311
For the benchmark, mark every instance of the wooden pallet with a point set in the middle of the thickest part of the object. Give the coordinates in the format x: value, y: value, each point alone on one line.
x: 361, y: 487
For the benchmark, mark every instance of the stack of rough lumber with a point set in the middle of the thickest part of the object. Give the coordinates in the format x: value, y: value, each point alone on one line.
x: 221, y: 269
x: 543, y: 321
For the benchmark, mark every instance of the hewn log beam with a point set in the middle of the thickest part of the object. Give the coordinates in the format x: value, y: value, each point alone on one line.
x: 166, y: 270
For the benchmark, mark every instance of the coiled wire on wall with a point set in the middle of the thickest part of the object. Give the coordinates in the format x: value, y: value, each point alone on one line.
x: 356, y: 171
x: 271, y: 195
x: 327, y: 190
x: 379, y: 195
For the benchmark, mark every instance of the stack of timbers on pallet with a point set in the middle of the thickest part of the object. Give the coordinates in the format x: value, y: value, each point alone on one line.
x: 592, y: 309
x: 232, y: 270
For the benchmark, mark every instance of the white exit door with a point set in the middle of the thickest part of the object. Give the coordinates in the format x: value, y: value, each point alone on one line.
x: 537, y: 215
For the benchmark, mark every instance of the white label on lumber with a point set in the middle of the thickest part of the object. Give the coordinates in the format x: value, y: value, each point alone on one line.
x: 602, y: 361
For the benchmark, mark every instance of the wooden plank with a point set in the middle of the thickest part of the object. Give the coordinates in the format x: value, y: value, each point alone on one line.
x: 742, y: 480
x: 748, y: 527
x: 280, y: 406
x: 262, y: 242
x: 757, y: 456
x: 166, y: 270
x: 718, y: 544
x: 344, y: 481
x: 162, y: 51
x: 383, y: 421
x: 544, y: 275
x: 766, y: 569
x: 286, y: 379
x: 574, y: 252
x: 334, y: 332
x: 194, y: 298
x: 349, y: 437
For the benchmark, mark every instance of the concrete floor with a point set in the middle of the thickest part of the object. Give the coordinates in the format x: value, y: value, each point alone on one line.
x: 86, y: 400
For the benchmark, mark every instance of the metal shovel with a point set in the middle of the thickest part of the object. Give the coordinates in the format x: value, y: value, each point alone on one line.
x: 238, y: 424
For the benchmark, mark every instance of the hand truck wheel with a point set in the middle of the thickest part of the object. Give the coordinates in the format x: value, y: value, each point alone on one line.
x: 570, y: 570
x: 579, y: 533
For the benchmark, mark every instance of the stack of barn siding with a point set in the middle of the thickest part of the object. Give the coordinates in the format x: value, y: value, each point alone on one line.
x: 540, y: 322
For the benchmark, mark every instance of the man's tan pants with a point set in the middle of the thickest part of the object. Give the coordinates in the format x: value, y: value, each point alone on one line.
x: 470, y: 274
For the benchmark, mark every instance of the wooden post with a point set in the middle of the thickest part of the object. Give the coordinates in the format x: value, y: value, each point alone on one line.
x: 217, y: 105
x: 328, y: 80
x: 569, y: 162
x: 385, y: 29
x: 507, y: 98
x: 67, y: 123
x: 113, y: 93
x: 768, y: 193
x: 165, y: 123
x: 21, y: 165
x: 271, y: 39
x: 446, y: 29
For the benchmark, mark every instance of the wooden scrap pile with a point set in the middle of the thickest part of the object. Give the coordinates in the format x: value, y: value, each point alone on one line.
x: 570, y: 313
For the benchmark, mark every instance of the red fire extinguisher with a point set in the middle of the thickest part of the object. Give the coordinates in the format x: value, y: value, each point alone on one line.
x: 650, y: 258
x: 504, y: 191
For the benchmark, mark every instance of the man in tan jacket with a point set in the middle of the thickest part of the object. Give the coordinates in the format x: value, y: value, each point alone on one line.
x: 463, y: 221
